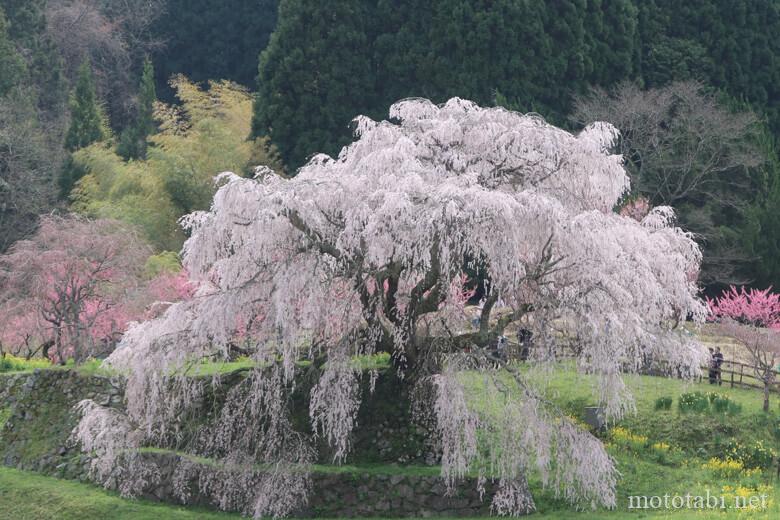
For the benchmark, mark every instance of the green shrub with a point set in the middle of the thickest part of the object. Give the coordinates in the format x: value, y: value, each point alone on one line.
x: 721, y: 403
x: 754, y: 455
x: 663, y: 403
x: 11, y: 363
x: 693, y: 402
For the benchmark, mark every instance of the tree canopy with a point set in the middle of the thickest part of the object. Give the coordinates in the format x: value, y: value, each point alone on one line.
x: 87, y: 121
x: 67, y: 286
x: 684, y: 148
x: 206, y: 40
x: 205, y: 134
x: 132, y: 143
x: 536, y: 55
x: 366, y: 252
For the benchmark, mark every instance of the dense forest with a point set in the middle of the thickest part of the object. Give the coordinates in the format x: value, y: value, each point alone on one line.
x: 127, y: 109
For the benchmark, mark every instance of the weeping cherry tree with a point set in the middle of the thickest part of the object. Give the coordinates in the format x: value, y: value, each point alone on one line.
x: 366, y: 253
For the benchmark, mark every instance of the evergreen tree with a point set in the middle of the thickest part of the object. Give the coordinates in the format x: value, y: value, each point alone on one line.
x: 612, y: 42
x: 27, y: 20
x: 132, y: 144
x: 87, y: 126
x: 314, y: 77
x: 761, y: 238
x: 44, y: 64
x: 371, y: 54
x: 12, y: 67
x: 47, y: 74
x: 207, y: 40
x: 729, y: 45
x: 86, y: 118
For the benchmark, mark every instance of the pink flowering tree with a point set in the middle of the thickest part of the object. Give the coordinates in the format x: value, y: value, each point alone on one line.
x: 65, y: 288
x: 21, y: 330
x: 752, y: 317
x: 365, y: 253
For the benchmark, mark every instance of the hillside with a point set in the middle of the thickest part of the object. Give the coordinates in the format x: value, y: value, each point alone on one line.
x: 657, y: 452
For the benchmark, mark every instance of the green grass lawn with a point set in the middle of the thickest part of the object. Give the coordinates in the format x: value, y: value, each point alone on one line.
x: 28, y: 496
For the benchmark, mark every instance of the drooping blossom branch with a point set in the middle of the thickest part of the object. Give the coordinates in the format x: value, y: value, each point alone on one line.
x: 366, y: 252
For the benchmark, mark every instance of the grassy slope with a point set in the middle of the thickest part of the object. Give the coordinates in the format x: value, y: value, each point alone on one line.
x: 694, y: 437
x: 26, y: 495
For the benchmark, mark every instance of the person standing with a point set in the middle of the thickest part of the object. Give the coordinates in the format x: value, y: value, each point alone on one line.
x: 717, y: 361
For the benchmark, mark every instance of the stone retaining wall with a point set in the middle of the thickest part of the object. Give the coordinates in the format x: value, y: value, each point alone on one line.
x: 37, y: 418
x: 348, y: 494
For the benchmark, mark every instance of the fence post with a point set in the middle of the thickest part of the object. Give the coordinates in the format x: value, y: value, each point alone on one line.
x: 741, y: 370
x: 732, y: 375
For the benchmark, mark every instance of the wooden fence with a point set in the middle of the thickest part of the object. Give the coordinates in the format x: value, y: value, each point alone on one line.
x: 736, y: 374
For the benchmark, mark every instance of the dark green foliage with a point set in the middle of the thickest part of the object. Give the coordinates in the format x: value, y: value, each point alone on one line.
x: 48, y: 79
x: 535, y: 54
x: 12, y: 67
x: 762, y: 236
x: 729, y: 45
x: 86, y: 120
x: 207, y: 40
x: 132, y: 144
x: 27, y: 165
x: 324, y: 66
x: 663, y: 403
x: 314, y: 77
x: 612, y: 40
x: 87, y: 126
x: 27, y: 20
x: 44, y: 71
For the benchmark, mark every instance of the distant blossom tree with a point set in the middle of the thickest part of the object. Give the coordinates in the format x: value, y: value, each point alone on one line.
x: 366, y: 252
x: 752, y: 317
x: 68, y: 285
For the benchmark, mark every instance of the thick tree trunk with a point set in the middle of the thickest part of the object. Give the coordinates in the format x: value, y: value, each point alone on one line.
x: 58, y: 346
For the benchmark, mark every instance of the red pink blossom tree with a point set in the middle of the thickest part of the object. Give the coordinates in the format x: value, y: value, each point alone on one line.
x: 71, y: 289
x: 752, y: 317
